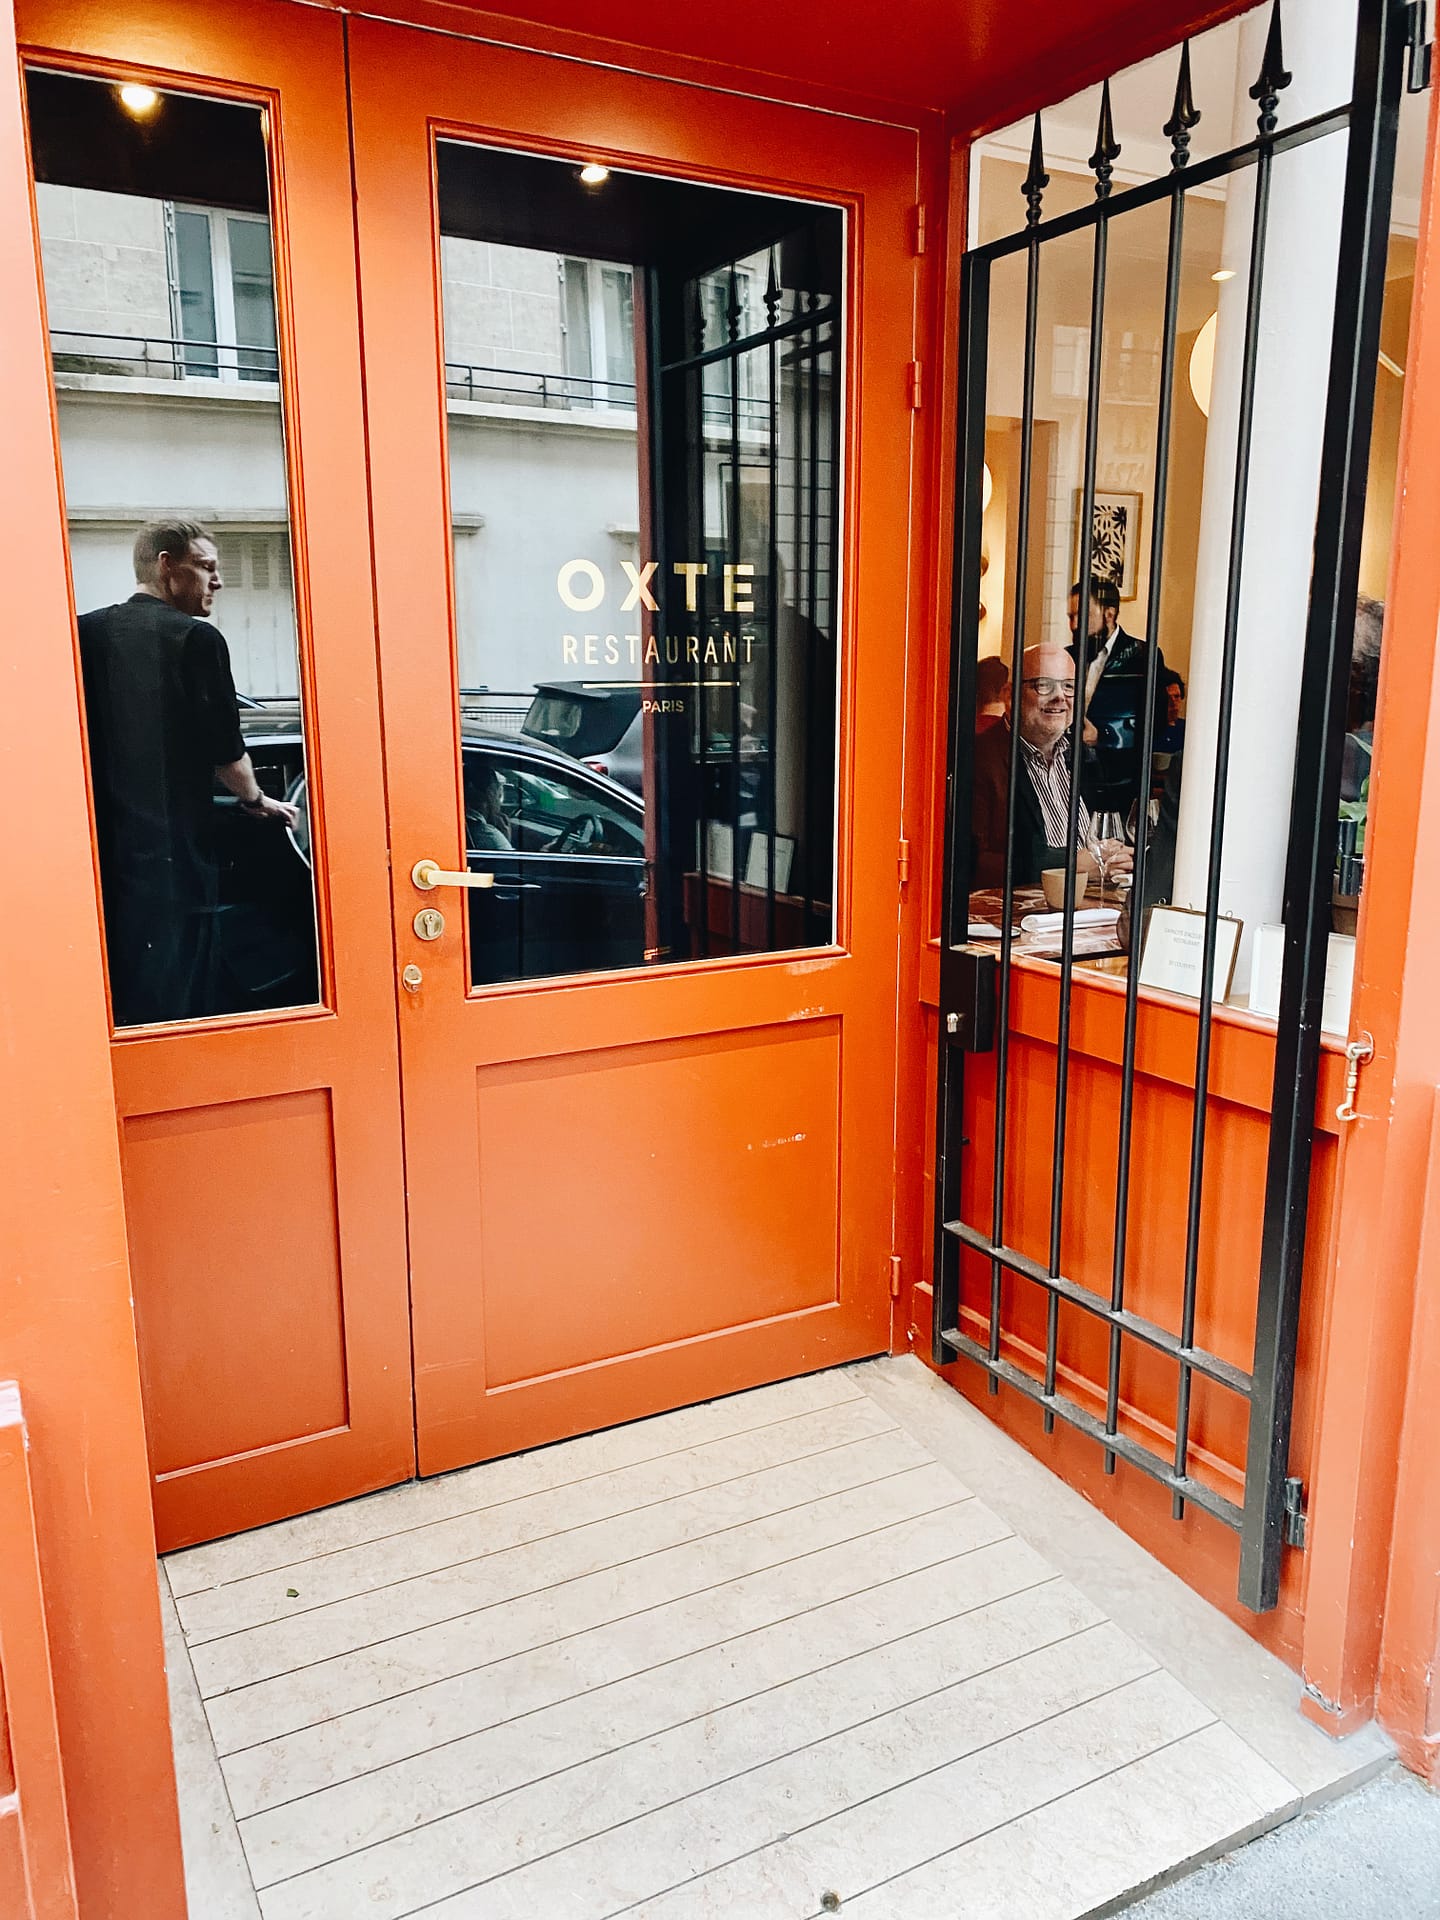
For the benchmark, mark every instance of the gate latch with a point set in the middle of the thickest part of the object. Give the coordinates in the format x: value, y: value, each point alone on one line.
x: 1360, y: 1049
x: 1295, y: 1513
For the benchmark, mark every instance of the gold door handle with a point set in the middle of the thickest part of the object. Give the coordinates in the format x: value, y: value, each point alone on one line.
x: 428, y: 874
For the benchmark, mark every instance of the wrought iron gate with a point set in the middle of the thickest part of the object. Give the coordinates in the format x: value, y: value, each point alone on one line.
x: 1265, y: 1516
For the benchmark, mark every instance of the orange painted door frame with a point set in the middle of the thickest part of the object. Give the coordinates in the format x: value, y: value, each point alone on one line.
x: 262, y: 1154
x: 632, y: 1191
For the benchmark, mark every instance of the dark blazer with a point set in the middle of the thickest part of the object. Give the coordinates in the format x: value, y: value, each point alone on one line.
x: 1112, y: 776
x: 1033, y: 852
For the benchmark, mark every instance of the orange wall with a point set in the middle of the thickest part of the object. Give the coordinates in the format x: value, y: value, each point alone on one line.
x: 66, y: 1333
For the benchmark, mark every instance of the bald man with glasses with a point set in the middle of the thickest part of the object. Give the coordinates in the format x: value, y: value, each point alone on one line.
x: 1046, y: 709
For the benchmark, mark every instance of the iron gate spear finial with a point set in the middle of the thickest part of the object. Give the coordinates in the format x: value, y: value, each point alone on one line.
x: 1273, y: 78
x: 1184, y: 114
x: 1107, y: 147
x: 1036, y: 180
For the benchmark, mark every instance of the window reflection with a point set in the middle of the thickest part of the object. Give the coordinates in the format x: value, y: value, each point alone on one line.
x: 160, y: 289
x: 642, y: 380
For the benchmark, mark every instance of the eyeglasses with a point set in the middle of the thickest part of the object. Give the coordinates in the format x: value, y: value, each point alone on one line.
x: 1045, y: 688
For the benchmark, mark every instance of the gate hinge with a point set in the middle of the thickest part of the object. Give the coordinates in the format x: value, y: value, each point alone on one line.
x: 913, y: 378
x: 1421, y: 49
x: 904, y: 863
x: 1295, y: 1513
x: 894, y: 1276
x: 919, y: 229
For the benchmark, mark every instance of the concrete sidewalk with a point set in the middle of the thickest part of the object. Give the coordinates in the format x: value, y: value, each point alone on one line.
x: 1373, y: 1855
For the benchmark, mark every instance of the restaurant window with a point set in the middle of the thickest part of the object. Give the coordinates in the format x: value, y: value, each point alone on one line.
x: 1165, y: 788
x: 648, y: 615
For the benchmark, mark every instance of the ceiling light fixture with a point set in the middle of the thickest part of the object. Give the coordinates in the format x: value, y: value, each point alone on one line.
x: 141, y: 101
x: 1223, y: 273
x: 594, y: 175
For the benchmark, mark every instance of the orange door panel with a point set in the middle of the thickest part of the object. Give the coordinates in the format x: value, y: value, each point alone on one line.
x: 262, y: 1153
x: 634, y: 1190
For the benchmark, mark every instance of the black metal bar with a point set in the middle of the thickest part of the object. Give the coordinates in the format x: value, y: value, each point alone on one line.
x: 1360, y: 284
x: 803, y: 322
x: 1036, y: 181
x: 835, y: 350
x: 733, y: 320
x: 812, y: 563
x: 1077, y: 752
x: 1197, y: 174
x: 1058, y: 1406
x: 1183, y: 118
x: 1211, y: 1365
x: 695, y: 410
x: 1272, y: 79
x: 1206, y: 1007
x: 957, y: 876
x: 772, y: 622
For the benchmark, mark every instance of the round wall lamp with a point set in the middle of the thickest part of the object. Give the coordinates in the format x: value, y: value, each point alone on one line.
x: 1202, y: 364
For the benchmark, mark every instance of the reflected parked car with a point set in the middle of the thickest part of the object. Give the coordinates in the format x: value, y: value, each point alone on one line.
x: 599, y: 726
x: 566, y: 847
x: 268, y: 955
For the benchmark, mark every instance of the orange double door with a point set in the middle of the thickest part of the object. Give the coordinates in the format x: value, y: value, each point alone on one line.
x: 465, y: 1194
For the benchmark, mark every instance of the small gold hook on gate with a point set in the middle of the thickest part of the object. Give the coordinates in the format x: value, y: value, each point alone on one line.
x: 1360, y: 1049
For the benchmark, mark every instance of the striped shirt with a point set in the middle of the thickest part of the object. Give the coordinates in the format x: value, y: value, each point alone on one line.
x: 1051, y: 781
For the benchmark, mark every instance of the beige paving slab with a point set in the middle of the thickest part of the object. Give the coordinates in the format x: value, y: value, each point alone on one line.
x: 561, y: 1794
x: 896, y: 1579
x: 217, y: 1881
x: 397, y: 1665
x: 1093, y: 1696
x: 405, y: 1606
x: 419, y: 1503
x: 1247, y: 1687
x: 892, y: 1832
x: 1202, y: 1794
x: 566, y: 1510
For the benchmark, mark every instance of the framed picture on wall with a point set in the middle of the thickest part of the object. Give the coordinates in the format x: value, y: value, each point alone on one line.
x: 1114, y: 539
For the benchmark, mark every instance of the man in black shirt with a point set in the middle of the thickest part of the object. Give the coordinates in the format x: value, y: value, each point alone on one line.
x: 1116, y: 773
x: 163, y: 723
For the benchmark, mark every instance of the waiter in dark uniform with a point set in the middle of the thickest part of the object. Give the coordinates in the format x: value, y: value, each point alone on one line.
x: 163, y: 724
x: 1116, y: 772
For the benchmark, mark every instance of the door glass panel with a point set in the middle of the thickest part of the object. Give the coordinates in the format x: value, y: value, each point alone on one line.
x: 154, y: 215
x: 643, y: 382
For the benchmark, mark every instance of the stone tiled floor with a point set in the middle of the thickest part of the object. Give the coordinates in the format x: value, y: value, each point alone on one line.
x: 737, y: 1660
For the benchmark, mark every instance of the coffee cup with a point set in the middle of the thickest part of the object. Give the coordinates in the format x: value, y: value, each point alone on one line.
x: 1052, y: 883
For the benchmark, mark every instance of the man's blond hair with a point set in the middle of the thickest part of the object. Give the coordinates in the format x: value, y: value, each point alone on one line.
x: 174, y: 537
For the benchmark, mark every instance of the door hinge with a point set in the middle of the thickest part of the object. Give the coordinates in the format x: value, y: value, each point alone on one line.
x: 919, y: 228
x: 1295, y: 1513
x: 904, y: 863
x: 1421, y: 49
x: 913, y: 377
x: 894, y: 1276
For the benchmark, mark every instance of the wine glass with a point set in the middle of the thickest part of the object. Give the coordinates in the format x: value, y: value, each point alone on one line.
x: 1110, y: 832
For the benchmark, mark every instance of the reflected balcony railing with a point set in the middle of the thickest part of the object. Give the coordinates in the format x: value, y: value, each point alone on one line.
x: 164, y: 357
x: 160, y: 357
x: 529, y: 387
